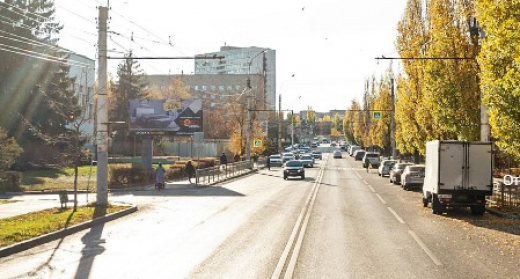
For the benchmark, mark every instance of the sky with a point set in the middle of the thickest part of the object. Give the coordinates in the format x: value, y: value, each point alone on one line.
x: 330, y: 46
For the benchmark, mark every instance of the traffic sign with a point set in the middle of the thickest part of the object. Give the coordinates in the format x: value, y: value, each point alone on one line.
x: 257, y: 143
x: 376, y: 115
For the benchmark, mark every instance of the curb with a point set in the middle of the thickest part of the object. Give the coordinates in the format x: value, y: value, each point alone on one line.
x: 503, y: 215
x: 28, y: 244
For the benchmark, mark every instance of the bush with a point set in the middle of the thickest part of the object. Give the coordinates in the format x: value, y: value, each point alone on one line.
x: 121, y: 176
x: 10, y: 181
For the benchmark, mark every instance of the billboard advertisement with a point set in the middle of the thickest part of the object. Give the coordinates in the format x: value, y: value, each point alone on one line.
x: 165, y: 117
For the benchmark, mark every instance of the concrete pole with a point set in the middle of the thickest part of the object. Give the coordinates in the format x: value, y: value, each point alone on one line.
x: 280, y: 118
x: 102, y: 136
x: 392, y: 120
x: 248, y: 131
x: 292, y: 130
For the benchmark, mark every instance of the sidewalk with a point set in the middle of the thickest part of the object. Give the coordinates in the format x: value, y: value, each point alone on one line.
x: 26, y: 202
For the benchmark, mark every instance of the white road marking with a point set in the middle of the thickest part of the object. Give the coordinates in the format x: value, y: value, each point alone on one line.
x: 396, y: 215
x: 383, y: 201
x: 299, y: 229
x: 425, y: 248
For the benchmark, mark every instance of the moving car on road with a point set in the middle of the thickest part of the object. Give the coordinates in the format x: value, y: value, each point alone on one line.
x: 337, y: 154
x: 307, y: 160
x: 275, y: 160
x: 294, y: 168
x: 288, y: 156
x: 317, y: 154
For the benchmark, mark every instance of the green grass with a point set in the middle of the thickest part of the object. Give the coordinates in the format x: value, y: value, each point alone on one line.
x: 63, y: 179
x: 6, y: 201
x: 24, y: 227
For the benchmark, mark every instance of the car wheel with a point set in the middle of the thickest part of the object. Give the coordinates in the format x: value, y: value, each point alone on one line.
x: 378, y: 174
x: 285, y: 177
x: 405, y: 187
x: 425, y: 202
x: 303, y: 177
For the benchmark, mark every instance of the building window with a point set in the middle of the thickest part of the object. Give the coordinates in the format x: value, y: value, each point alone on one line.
x: 221, y: 87
x: 230, y: 88
x: 213, y: 88
x: 196, y: 87
x: 204, y: 87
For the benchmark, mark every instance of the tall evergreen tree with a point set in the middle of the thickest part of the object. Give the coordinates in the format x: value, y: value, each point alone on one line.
x: 130, y: 85
x: 28, y: 32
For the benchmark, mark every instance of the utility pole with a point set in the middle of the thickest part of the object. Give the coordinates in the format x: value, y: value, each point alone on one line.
x: 280, y: 117
x: 392, y: 119
x: 102, y: 112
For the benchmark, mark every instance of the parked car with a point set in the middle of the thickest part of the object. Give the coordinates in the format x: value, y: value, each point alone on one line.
x: 385, y: 166
x: 308, y: 160
x: 353, y: 150
x: 317, y: 154
x: 371, y: 158
x: 294, y: 168
x: 396, y: 171
x: 337, y: 154
x: 287, y: 157
x: 275, y: 160
x: 358, y: 155
x: 413, y: 176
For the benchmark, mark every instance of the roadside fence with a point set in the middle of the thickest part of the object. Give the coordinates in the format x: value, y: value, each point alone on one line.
x: 505, y: 195
x: 219, y: 173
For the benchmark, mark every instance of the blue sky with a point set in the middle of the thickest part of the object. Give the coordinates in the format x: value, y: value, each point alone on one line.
x: 329, y: 45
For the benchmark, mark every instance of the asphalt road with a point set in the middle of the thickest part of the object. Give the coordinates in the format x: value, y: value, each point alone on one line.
x: 340, y: 222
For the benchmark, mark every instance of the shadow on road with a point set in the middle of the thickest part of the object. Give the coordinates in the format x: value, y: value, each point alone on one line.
x: 92, y: 247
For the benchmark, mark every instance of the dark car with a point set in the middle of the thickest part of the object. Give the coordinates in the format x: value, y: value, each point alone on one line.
x: 317, y: 154
x: 359, y: 154
x: 294, y: 168
x: 397, y: 171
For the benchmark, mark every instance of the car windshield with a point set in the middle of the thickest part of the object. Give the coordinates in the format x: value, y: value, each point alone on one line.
x: 401, y: 166
x: 274, y: 156
x: 373, y: 155
x: 416, y: 168
x: 294, y: 164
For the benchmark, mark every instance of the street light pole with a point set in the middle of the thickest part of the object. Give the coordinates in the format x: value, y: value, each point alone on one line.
x: 248, y: 131
x: 280, y: 115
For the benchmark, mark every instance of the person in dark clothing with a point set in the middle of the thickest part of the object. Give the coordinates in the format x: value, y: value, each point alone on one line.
x: 159, y: 177
x: 236, y: 158
x: 268, y: 163
x: 190, y: 170
x: 223, y: 160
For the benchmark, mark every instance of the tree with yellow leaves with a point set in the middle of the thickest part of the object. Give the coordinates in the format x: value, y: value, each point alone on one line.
x: 499, y: 58
x: 450, y: 89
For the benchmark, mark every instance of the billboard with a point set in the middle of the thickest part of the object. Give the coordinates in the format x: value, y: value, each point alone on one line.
x: 165, y: 117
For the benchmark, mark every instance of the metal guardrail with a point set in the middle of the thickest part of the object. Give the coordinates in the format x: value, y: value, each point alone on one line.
x: 222, y: 172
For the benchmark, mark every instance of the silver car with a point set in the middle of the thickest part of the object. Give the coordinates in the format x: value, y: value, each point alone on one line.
x: 385, y: 167
x: 413, y: 176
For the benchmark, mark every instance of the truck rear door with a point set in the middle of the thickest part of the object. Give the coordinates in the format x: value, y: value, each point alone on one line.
x: 451, y: 167
x: 480, y: 166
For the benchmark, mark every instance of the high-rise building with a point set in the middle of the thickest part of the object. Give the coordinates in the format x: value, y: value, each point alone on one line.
x: 244, y: 61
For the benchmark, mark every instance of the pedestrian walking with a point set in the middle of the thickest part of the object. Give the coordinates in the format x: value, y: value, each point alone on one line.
x: 223, y: 160
x: 268, y: 162
x: 190, y: 170
x: 159, y: 177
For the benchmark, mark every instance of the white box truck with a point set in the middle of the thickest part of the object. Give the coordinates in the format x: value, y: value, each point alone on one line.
x: 458, y: 173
